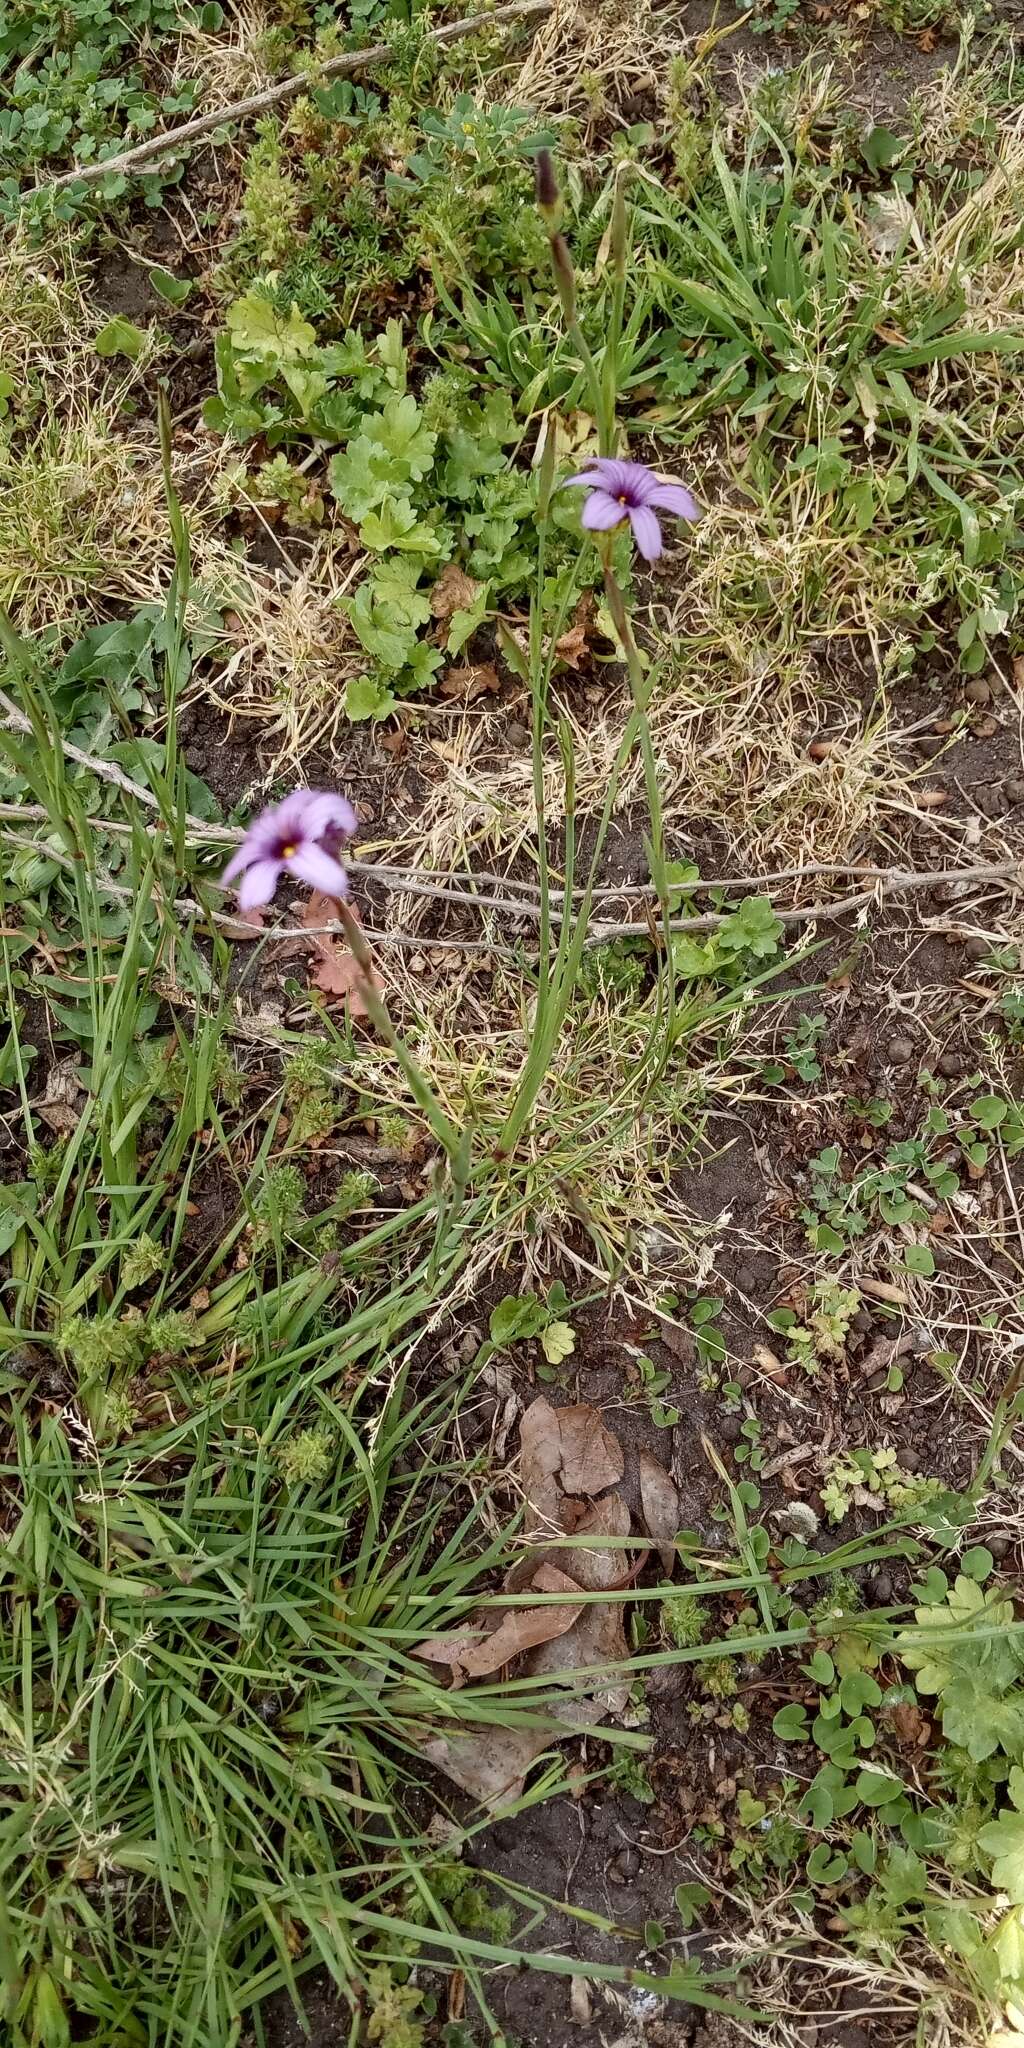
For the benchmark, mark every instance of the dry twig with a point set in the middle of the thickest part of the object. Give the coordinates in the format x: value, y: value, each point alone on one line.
x: 174, y: 140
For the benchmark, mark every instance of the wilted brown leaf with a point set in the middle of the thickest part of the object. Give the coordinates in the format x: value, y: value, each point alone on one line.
x: 473, y: 1653
x: 61, y: 1101
x: 564, y: 1451
x: 540, y: 1442
x: 591, y: 1456
x: 575, y: 641
x: 523, y: 1628
x: 597, y: 1637
x: 560, y: 1448
x: 581, y: 2005
x: 659, y: 1499
x: 910, y: 1724
x: 338, y: 973
x: 243, y: 924
x: 492, y: 1765
x: 462, y: 685
x: 334, y: 970
x: 451, y: 1650
x: 454, y: 591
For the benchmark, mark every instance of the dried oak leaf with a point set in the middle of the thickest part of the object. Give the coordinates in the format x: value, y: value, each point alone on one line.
x: 454, y: 591
x: 243, y: 924
x: 597, y: 1637
x: 659, y: 1499
x: 564, y: 1451
x: 574, y: 643
x: 60, y: 1104
x: 525, y: 1628
x: 472, y: 1653
x: 909, y: 1724
x: 474, y: 679
x: 492, y: 1765
x: 334, y: 970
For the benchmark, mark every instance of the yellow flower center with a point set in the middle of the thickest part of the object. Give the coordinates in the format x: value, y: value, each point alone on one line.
x: 289, y: 852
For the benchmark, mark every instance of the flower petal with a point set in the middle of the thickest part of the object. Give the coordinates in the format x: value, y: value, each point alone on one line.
x: 258, y: 885
x: 592, y: 478
x: 674, y: 498
x: 315, y: 867
x: 646, y: 532
x: 635, y: 481
x: 600, y: 512
x: 291, y: 813
x: 324, y: 810
x: 238, y: 863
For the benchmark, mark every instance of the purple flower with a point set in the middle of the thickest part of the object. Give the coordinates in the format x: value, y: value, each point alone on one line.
x: 626, y: 490
x: 302, y: 837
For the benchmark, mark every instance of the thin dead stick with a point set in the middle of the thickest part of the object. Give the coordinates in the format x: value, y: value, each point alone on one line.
x: 174, y: 140
x: 886, y: 882
x: 438, y: 881
x: 896, y: 884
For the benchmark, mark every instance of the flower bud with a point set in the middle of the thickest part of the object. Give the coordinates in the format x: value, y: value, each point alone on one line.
x: 564, y: 277
x: 549, y: 198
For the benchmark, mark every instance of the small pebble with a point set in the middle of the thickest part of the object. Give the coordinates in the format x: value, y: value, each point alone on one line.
x: 998, y: 1543
x: 950, y: 1065
x: 929, y: 747
x: 730, y: 1428
x: 746, y: 1280
x: 910, y: 1460
x: 977, y: 948
x: 881, y: 1589
x: 978, y: 691
x: 862, y: 1321
x: 878, y: 1380
x: 745, y: 1376
x: 1014, y: 790
x: 625, y: 1864
x: 517, y: 735
x: 900, y: 1051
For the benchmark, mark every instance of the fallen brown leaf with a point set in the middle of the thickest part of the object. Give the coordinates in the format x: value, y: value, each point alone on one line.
x: 659, y: 1499
x: 492, y: 1765
x: 767, y: 1362
x: 591, y: 1456
x: 338, y: 973
x: 910, y: 1724
x: 454, y: 591
x: 574, y: 643
x: 540, y: 1441
x: 564, y: 1451
x: 581, y: 2009
x: 522, y: 1628
x: 472, y: 1653
x: 61, y: 1101
x: 564, y: 1454
x: 679, y: 1342
x: 244, y: 924
x: 450, y: 1650
x: 597, y: 1637
x: 335, y: 971
x: 462, y: 685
